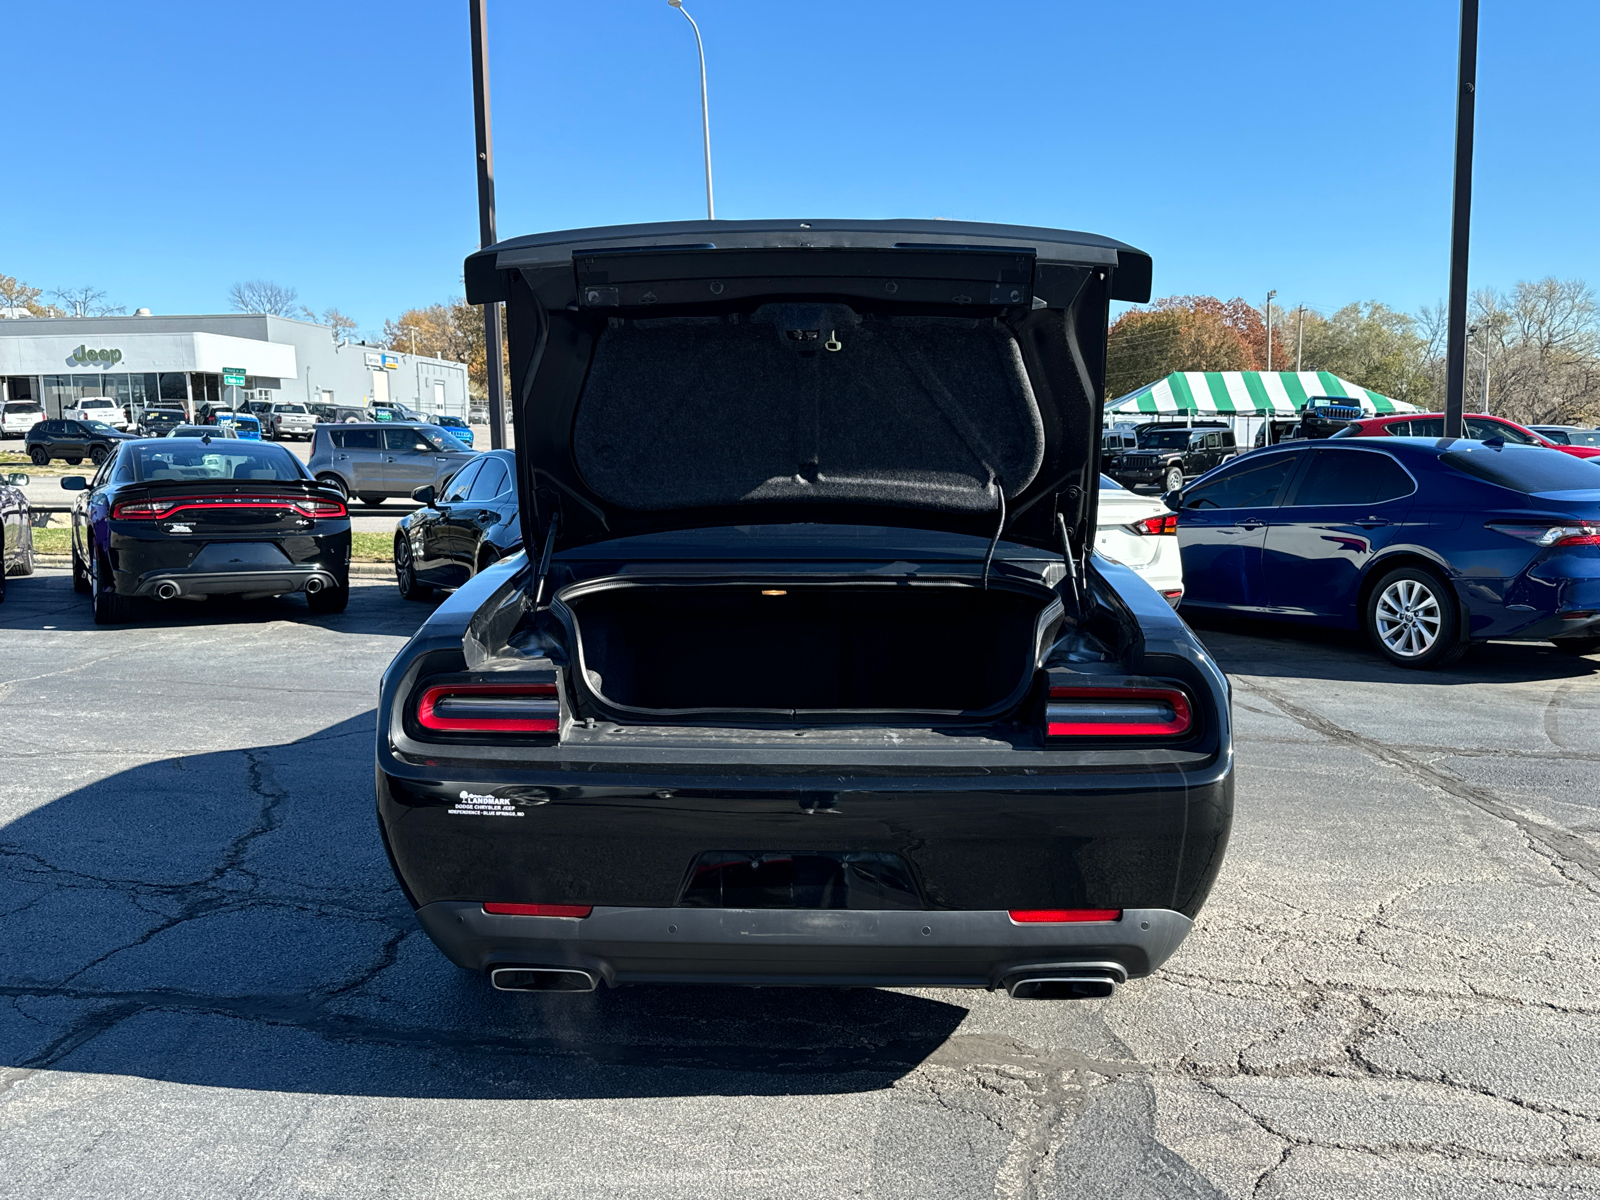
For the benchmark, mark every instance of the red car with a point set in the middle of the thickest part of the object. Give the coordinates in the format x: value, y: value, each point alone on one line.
x: 1480, y: 428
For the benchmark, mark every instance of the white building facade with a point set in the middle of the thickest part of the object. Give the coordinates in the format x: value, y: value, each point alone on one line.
x: 142, y: 361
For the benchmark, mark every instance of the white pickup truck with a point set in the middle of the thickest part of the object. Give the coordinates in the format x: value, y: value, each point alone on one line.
x: 288, y: 418
x: 98, y: 408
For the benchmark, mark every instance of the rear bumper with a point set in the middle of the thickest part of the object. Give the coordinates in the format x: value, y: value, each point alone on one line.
x: 226, y: 583
x: 802, y: 947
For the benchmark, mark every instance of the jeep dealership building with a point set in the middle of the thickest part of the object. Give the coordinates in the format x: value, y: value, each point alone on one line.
x: 142, y: 361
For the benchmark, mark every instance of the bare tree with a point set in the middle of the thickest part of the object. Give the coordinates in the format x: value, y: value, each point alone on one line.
x: 85, y: 302
x: 338, y: 324
x: 264, y: 296
x: 1543, y: 344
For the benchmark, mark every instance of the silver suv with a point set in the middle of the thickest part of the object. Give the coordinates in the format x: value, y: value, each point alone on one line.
x: 375, y: 461
x: 288, y: 418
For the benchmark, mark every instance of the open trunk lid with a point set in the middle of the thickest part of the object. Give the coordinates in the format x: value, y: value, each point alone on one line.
x: 936, y: 375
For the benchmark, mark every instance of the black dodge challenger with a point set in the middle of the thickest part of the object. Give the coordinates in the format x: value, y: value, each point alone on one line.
x: 809, y: 674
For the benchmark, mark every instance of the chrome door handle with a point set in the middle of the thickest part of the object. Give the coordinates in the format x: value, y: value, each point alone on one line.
x: 1251, y: 523
x: 1373, y: 522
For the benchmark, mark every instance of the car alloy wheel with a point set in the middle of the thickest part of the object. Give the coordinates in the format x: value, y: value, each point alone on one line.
x: 98, y: 454
x: 405, y: 572
x: 1412, y: 618
x: 1174, y: 479
x: 40, y: 456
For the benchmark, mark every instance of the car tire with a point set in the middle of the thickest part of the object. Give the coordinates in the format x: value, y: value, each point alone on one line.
x: 24, y: 564
x: 1578, y: 647
x: 109, y: 608
x: 1414, y: 619
x: 72, y: 462
x: 334, y: 482
x: 1173, y: 481
x: 80, y: 574
x: 39, y: 456
x: 374, y: 501
x: 98, y: 454
x: 405, y: 572
x: 329, y: 600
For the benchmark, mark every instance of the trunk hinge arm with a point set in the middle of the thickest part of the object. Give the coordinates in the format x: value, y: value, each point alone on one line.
x: 1071, y: 562
x: 543, y: 572
x: 998, y: 530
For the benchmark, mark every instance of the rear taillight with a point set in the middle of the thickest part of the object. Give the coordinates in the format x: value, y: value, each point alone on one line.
x: 1063, y: 916
x: 1579, y: 533
x: 1157, y: 525
x: 539, y: 910
x: 490, y: 708
x: 151, y: 510
x: 1117, y: 712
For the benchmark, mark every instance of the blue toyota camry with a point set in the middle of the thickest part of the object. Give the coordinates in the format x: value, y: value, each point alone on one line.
x: 1427, y: 545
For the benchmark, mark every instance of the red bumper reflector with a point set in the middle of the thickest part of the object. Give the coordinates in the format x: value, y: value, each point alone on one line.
x: 155, y: 510
x: 490, y: 708
x: 539, y: 910
x: 1117, y: 712
x: 1063, y: 916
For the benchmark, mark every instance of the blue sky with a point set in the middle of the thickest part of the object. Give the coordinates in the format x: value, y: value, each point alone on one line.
x: 163, y: 152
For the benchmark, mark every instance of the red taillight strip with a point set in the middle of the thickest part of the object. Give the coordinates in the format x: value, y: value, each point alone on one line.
x: 539, y: 910
x: 154, y: 510
x: 546, y: 707
x: 1063, y: 916
x: 1101, y: 718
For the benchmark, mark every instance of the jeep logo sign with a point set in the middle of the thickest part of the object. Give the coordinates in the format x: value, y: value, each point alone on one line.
x: 81, y: 355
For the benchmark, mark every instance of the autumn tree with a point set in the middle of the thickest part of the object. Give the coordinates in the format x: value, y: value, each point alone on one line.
x: 15, y: 294
x: 1543, y: 346
x: 1187, y: 333
x: 453, y: 330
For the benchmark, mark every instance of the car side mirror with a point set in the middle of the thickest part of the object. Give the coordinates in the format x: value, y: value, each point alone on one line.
x: 17, y: 479
x: 74, y: 483
x: 1174, y: 499
x: 424, y: 495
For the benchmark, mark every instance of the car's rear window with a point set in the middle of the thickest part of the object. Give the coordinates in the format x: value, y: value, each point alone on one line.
x: 225, y: 458
x: 1530, y: 469
x: 23, y: 406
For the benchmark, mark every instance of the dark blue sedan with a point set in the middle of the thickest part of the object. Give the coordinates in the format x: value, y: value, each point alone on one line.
x: 1426, y: 544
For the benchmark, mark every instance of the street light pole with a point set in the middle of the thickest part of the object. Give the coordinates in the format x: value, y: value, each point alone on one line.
x: 1461, y: 219
x: 705, y: 107
x: 491, y: 311
x: 1270, y: 295
x: 1300, y: 339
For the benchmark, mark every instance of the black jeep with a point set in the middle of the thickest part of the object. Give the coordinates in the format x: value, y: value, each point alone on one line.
x: 1169, y: 454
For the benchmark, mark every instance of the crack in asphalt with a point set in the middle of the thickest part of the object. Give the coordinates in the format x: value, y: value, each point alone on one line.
x: 1549, y: 841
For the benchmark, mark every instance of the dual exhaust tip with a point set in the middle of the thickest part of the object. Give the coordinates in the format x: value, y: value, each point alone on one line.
x: 1065, y: 984
x: 167, y: 590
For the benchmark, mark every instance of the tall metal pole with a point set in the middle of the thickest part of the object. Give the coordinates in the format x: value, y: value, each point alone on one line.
x: 1300, y: 339
x: 705, y: 106
x: 1270, y: 295
x: 1460, y: 240
x: 491, y: 312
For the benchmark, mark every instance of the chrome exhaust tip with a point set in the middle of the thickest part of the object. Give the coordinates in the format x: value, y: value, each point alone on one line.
x: 1065, y: 984
x: 167, y: 591
x: 314, y: 585
x: 542, y: 979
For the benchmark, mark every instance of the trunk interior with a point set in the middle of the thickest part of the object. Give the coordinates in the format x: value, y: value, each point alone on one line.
x: 783, y: 647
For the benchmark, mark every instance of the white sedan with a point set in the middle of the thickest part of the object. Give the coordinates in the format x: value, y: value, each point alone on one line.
x: 1140, y: 532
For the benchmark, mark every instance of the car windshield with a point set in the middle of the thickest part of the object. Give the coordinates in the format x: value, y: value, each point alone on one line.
x: 452, y: 422
x: 99, y: 427
x: 1582, y: 437
x: 1108, y: 484
x: 1164, y: 439
x: 181, y: 460
x: 1534, y: 470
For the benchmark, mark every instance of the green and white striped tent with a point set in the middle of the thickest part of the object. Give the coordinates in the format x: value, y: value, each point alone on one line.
x: 1249, y: 394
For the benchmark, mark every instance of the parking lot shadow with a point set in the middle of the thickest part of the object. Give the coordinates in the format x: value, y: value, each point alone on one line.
x: 1277, y: 649
x: 46, y: 601
x: 229, y: 919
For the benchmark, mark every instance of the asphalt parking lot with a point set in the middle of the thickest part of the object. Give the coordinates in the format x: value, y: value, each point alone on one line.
x: 213, y: 987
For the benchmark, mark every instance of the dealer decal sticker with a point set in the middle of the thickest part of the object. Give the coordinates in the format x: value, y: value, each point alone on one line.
x: 472, y: 804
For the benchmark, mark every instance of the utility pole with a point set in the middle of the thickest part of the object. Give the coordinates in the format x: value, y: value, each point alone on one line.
x: 705, y: 107
x: 1270, y: 295
x: 1300, y: 339
x: 1461, y: 219
x: 491, y: 311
